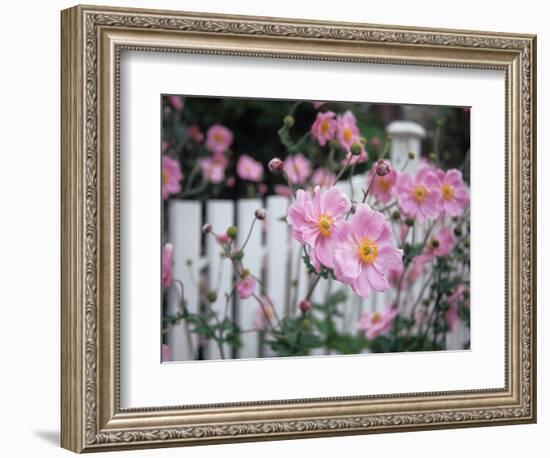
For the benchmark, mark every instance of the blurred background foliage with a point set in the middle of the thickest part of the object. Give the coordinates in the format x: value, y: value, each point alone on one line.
x: 255, y: 124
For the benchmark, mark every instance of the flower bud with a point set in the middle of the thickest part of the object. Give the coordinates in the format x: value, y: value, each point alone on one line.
x: 457, y: 231
x: 275, y: 165
x: 237, y: 255
x: 363, y: 140
x: 207, y: 228
x: 189, y: 262
x: 231, y: 232
x: 288, y: 121
x: 212, y: 296
x: 223, y: 239
x: 355, y: 149
x: 306, y: 324
x: 434, y: 243
x: 382, y: 168
x: 396, y: 215
x: 260, y: 214
x: 409, y: 222
x: 304, y: 305
x: 411, y: 155
x: 245, y: 273
x: 433, y: 157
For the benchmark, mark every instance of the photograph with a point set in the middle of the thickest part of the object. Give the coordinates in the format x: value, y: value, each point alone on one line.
x: 297, y: 228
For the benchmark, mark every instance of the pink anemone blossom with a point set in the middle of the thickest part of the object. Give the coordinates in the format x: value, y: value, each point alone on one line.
x: 297, y: 168
x: 365, y: 253
x: 218, y: 139
x: 419, y: 197
x: 167, y: 255
x: 171, y: 177
x: 438, y: 245
x: 246, y: 286
x: 249, y: 169
x: 282, y: 190
x: 377, y: 323
x: 324, y: 127
x: 455, y: 196
x: 347, y: 131
x: 323, y: 177
x: 317, y: 220
x: 213, y: 168
x: 194, y: 132
x: 175, y: 101
x: 382, y: 186
x: 451, y: 316
x: 264, y: 315
x: 317, y: 104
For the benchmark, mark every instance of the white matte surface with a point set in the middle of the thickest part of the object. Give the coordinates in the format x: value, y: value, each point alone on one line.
x: 145, y: 76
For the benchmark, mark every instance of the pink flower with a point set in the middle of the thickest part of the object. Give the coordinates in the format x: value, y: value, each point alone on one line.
x: 282, y: 190
x: 324, y: 127
x: 377, y: 323
x: 223, y: 239
x: 323, y: 177
x: 413, y: 273
x: 218, y: 139
x: 297, y: 168
x: 213, y: 168
x: 166, y: 353
x: 419, y: 197
x: 171, y: 177
x: 454, y: 193
x: 318, y: 220
x: 165, y: 146
x: 439, y: 245
x: 167, y: 256
x: 364, y: 255
x: 263, y: 317
x: 317, y: 105
x: 375, y: 141
x: 347, y: 131
x: 249, y: 169
x: 195, y: 133
x: 246, y: 286
x: 175, y: 101
x: 383, y: 186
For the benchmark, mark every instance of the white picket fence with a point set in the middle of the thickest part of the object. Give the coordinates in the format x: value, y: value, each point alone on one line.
x: 271, y: 254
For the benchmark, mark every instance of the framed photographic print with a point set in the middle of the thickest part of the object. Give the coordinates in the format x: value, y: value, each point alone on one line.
x: 278, y: 228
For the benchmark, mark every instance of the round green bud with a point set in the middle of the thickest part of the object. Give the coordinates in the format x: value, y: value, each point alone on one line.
x: 212, y: 296
x: 288, y: 121
x: 457, y: 231
x: 237, y: 255
x: 410, y: 155
x: 433, y: 157
x: 396, y: 215
x: 245, y: 273
x: 409, y: 222
x: 355, y: 149
x: 231, y: 232
x: 189, y: 262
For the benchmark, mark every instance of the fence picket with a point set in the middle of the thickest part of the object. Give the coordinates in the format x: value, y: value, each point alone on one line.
x: 184, y: 234
x: 220, y: 214
x: 253, y: 260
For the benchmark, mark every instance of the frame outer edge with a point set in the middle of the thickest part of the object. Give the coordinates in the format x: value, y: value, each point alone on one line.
x: 72, y: 227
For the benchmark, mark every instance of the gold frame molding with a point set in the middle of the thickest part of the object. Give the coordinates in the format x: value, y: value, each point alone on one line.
x: 92, y: 40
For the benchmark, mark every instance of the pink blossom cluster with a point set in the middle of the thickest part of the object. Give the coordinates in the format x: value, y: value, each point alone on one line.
x: 359, y: 250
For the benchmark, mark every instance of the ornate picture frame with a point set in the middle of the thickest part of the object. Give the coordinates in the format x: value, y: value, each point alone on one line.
x: 92, y: 41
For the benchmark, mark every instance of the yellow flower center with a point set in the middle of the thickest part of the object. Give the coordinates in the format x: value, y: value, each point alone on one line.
x: 347, y: 134
x: 376, y: 317
x: 325, y: 126
x: 218, y: 137
x: 368, y: 251
x: 420, y: 193
x: 383, y: 184
x: 323, y: 223
x: 448, y: 191
x: 164, y: 177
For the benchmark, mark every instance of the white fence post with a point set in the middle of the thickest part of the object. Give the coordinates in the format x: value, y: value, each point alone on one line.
x: 184, y: 232
x: 406, y: 137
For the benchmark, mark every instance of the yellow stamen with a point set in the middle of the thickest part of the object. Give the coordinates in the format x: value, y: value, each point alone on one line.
x: 419, y: 193
x: 376, y: 317
x: 347, y: 134
x: 323, y: 223
x: 325, y: 126
x: 164, y: 177
x: 218, y: 137
x: 383, y: 184
x: 448, y: 191
x: 368, y: 251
